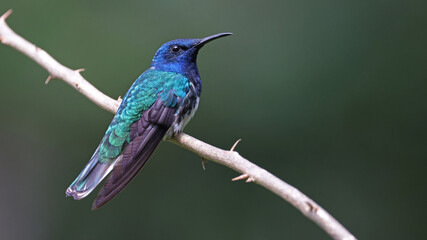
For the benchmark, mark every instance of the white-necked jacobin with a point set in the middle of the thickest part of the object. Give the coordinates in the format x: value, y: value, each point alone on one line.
x: 158, y: 104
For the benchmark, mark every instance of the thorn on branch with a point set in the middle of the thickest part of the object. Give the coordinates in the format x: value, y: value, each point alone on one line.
x: 203, y: 163
x: 250, y: 179
x: 241, y: 177
x: 311, y: 207
x: 79, y: 70
x: 234, y: 145
x: 119, y: 99
x: 6, y: 15
x: 48, y: 79
x: 244, y: 176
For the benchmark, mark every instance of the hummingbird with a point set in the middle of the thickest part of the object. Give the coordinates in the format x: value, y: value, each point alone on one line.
x: 159, y: 104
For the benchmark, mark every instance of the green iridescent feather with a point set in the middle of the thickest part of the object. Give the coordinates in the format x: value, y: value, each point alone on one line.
x: 150, y: 86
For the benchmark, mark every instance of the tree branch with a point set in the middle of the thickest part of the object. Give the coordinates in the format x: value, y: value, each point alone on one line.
x: 231, y: 159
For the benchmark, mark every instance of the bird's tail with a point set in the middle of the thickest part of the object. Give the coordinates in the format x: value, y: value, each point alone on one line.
x: 135, y: 155
x: 90, y: 177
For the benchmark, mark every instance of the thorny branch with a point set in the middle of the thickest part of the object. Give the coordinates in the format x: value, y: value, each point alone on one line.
x: 231, y: 159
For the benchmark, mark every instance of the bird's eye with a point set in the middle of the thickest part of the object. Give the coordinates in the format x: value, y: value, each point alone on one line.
x: 175, y: 48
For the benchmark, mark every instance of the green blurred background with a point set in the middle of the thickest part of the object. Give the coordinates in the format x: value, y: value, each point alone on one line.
x: 328, y: 95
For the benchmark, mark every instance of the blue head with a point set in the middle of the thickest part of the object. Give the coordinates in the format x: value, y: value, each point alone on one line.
x: 180, y: 55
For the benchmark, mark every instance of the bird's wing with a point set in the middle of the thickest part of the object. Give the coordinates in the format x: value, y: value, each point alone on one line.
x: 145, y: 134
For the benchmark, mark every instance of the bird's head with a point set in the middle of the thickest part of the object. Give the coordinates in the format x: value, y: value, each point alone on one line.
x: 180, y: 55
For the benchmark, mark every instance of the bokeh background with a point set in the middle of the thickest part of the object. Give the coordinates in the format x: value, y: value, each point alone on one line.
x: 328, y: 95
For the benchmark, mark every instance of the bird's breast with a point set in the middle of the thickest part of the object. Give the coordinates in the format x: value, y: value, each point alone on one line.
x: 182, y: 120
x: 185, y: 112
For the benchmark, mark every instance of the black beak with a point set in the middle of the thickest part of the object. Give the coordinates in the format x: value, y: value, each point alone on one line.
x: 205, y: 40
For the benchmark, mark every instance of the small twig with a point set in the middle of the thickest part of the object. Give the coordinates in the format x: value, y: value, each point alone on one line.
x: 230, y: 158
